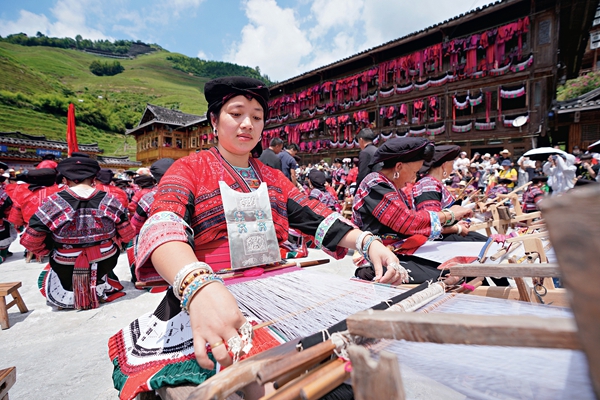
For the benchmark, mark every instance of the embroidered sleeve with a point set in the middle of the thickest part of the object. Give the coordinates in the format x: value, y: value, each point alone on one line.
x: 161, y: 228
x: 436, y: 225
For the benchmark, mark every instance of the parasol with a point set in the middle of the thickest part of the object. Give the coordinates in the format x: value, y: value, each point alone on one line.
x: 594, y: 147
x: 542, y: 153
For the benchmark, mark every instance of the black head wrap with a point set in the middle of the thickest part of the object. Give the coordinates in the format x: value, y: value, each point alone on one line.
x: 159, y: 168
x: 78, y: 169
x: 3, y: 165
x: 317, y: 178
x: 403, y: 150
x: 79, y: 154
x: 539, y: 178
x: 144, y: 181
x: 504, y: 181
x: 41, y: 177
x: 442, y: 153
x: 220, y: 90
x: 105, y: 176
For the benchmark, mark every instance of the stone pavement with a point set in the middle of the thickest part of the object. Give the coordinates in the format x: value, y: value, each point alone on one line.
x: 64, y: 354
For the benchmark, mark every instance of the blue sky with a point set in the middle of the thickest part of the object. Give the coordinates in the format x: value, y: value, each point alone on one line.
x: 284, y: 38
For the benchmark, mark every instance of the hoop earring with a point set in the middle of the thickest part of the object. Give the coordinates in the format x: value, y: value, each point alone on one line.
x: 215, y: 132
x: 444, y: 173
x: 396, y: 175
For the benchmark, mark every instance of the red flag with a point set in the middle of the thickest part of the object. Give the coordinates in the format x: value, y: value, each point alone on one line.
x: 71, y: 135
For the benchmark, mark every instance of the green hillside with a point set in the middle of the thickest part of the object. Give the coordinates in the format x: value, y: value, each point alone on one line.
x: 37, y: 84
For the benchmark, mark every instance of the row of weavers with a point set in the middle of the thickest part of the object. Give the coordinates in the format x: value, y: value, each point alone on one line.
x: 484, y: 53
x: 236, y: 214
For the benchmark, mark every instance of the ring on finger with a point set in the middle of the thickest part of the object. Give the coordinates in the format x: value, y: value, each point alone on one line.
x: 217, y: 344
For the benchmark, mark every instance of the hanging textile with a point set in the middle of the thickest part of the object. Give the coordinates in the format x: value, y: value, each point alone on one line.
x: 460, y: 105
x: 405, y: 89
x: 422, y: 86
x: 434, y: 106
x: 417, y: 131
x: 436, y: 129
x: 488, y: 106
x: 485, y: 126
x: 462, y: 128
x: 477, y: 100
x: 500, y: 71
x: 523, y: 65
x: 386, y: 93
x: 512, y: 94
x: 438, y: 82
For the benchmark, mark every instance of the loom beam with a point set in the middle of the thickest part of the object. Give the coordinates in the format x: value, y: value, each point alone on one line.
x: 519, y: 331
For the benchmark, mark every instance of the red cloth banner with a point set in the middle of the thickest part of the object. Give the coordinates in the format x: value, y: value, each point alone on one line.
x: 71, y: 134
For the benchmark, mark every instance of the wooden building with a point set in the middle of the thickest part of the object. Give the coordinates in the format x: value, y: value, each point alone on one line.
x: 23, y: 151
x: 166, y: 133
x: 577, y: 121
x: 463, y: 81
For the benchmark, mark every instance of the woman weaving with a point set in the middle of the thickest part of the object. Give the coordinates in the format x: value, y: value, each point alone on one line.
x: 430, y: 194
x: 198, y: 224
x: 380, y: 206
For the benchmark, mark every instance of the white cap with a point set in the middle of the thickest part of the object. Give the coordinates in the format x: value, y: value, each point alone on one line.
x: 487, y: 155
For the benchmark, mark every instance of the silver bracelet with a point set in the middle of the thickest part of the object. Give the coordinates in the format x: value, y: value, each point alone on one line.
x: 183, y: 272
x: 359, y: 241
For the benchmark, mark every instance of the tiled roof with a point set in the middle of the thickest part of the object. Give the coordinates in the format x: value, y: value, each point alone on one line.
x: 21, y: 139
x: 164, y: 115
x: 103, y: 160
x: 587, y: 101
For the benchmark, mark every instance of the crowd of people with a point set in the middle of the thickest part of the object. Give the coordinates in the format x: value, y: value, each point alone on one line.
x: 224, y: 208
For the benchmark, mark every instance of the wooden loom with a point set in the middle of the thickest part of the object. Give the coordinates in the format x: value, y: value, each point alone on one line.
x: 520, y: 331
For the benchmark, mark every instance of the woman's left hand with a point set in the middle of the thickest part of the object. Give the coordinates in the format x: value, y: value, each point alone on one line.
x: 381, y: 256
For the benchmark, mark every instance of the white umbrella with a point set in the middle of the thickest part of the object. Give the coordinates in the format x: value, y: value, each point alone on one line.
x: 542, y: 153
x: 594, y: 147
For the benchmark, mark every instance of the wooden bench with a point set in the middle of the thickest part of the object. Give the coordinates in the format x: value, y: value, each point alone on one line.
x: 8, y: 377
x: 11, y: 288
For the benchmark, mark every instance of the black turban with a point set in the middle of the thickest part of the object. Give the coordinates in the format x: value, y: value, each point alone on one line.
x: 317, y: 178
x: 144, y: 181
x: 78, y: 169
x: 41, y: 177
x: 403, y: 149
x: 3, y: 166
x: 442, y: 153
x: 159, y: 168
x: 220, y: 90
x: 539, y: 178
x: 504, y: 181
x: 105, y: 176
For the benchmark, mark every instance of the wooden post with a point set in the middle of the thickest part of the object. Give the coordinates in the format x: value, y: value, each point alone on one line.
x: 370, y: 377
x: 574, y: 229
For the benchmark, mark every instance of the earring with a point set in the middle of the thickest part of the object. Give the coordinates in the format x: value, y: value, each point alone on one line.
x: 396, y: 175
x: 444, y: 173
x: 215, y: 132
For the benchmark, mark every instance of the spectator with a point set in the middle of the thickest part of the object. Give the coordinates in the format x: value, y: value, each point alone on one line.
x: 367, y: 149
x: 270, y: 156
x: 288, y: 163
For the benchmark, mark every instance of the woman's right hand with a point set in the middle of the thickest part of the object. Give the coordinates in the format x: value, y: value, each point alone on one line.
x: 461, y: 212
x: 215, y: 317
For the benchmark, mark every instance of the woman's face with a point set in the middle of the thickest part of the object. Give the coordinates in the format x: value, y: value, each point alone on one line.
x: 408, y: 173
x: 240, y: 124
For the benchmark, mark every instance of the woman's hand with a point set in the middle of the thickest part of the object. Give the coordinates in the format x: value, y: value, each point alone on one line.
x: 464, y: 228
x: 461, y: 212
x: 380, y: 256
x: 215, y: 318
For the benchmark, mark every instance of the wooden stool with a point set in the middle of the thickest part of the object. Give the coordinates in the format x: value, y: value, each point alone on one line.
x: 8, y: 377
x: 12, y: 289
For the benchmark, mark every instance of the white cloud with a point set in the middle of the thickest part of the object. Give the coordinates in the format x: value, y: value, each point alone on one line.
x: 330, y: 14
x: 272, y: 40
x: 201, y: 55
x: 70, y: 21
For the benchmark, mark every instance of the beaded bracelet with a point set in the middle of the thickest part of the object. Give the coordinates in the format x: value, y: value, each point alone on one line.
x: 359, y: 241
x: 368, y: 244
x: 194, y: 288
x: 190, y: 278
x: 452, y: 220
x: 184, y: 271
